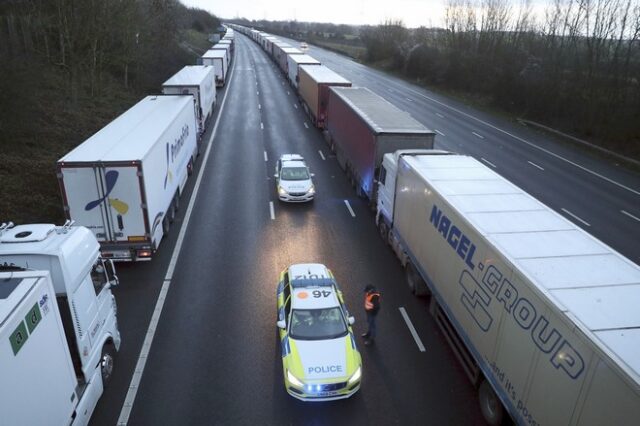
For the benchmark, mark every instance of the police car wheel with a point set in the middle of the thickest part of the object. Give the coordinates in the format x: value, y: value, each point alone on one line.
x: 490, y: 405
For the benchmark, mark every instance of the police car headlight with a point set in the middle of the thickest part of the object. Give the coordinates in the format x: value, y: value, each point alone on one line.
x: 311, y: 190
x: 293, y: 379
x: 282, y: 191
x: 356, y: 376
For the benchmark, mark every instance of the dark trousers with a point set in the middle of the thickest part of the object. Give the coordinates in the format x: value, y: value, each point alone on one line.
x: 371, y: 322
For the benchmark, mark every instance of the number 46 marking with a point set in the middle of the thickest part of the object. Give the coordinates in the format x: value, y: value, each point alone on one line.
x: 320, y: 293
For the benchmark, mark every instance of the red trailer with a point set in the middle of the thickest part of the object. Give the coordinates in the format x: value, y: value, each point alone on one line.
x: 313, y: 87
x: 363, y: 127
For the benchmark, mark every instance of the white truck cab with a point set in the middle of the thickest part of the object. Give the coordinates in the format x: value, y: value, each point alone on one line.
x: 69, y: 257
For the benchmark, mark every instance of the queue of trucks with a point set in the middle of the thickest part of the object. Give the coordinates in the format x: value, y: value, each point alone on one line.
x: 542, y: 316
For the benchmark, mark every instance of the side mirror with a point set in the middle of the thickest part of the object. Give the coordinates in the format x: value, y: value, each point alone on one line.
x: 112, y: 273
x: 352, y: 320
x: 281, y: 324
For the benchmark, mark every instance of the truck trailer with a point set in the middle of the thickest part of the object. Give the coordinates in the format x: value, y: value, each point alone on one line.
x: 363, y: 127
x: 199, y: 82
x: 227, y: 48
x: 58, y: 324
x: 543, y: 317
x: 294, y: 63
x: 314, y: 82
x: 124, y: 182
x: 283, y: 61
x: 217, y: 59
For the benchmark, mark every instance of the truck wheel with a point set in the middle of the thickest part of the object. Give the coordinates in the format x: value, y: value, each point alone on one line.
x: 415, y: 281
x: 172, y: 211
x: 165, y: 223
x: 383, y: 229
x: 107, y: 360
x: 190, y: 167
x: 490, y: 405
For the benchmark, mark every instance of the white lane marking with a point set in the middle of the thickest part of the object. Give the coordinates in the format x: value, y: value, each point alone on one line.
x: 259, y: 106
x: 488, y: 162
x: 288, y: 93
x: 306, y: 125
x: 410, y: 100
x: 477, y: 135
x: 321, y: 155
x: 272, y: 211
x: 129, y: 399
x: 630, y: 215
x: 257, y: 93
x: 262, y: 126
x: 390, y: 90
x: 439, y: 115
x: 575, y: 217
x: 412, y: 329
x: 535, y: 165
x: 531, y: 144
x: 439, y: 132
x: 295, y: 106
x: 265, y: 156
x: 349, y: 207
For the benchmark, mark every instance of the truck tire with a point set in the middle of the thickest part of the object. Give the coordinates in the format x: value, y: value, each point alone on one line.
x: 383, y: 230
x: 490, y: 405
x: 190, y: 167
x: 107, y: 361
x: 416, y: 284
x: 166, y: 224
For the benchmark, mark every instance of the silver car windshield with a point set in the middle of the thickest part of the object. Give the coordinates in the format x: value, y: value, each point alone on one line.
x: 317, y: 324
x: 294, y: 173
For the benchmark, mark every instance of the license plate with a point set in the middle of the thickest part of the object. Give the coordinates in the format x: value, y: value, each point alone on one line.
x: 327, y: 393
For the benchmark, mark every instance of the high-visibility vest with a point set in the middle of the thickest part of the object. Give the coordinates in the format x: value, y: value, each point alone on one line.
x: 368, y: 301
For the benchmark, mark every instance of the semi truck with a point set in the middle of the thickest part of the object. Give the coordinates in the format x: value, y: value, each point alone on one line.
x: 294, y: 62
x: 362, y: 127
x: 543, y: 317
x: 199, y: 82
x: 58, y: 325
x: 226, y: 47
x: 217, y: 59
x: 283, y: 60
x: 124, y: 182
x: 314, y: 82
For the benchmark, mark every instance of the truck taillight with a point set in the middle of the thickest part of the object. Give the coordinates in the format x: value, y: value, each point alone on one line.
x: 143, y: 253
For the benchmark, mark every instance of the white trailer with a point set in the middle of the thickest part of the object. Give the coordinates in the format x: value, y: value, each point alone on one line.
x: 543, y: 317
x: 295, y: 61
x: 124, y: 182
x: 218, y: 59
x: 58, y: 326
x: 227, y: 48
x: 199, y: 82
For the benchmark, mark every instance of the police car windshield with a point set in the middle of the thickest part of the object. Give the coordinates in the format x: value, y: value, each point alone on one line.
x: 294, y: 173
x: 317, y: 324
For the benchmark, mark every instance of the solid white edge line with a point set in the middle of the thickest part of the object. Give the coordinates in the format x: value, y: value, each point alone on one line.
x: 412, y: 329
x: 129, y: 399
x: 488, y: 162
x: 265, y: 156
x: 535, y: 165
x: 321, y: 155
x: 630, y: 215
x: 272, y: 211
x: 439, y: 132
x: 531, y: 144
x: 346, y: 202
x: 439, y: 115
x: 574, y: 216
x: 477, y: 135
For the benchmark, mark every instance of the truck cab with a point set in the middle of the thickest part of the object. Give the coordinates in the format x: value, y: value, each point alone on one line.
x: 82, y: 281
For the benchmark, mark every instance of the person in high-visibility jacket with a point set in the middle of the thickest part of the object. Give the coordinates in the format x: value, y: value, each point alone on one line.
x: 371, y: 307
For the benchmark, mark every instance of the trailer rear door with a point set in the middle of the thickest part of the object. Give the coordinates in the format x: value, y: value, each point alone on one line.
x: 106, y: 199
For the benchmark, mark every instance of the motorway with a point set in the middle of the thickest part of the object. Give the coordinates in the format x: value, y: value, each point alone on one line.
x: 210, y: 353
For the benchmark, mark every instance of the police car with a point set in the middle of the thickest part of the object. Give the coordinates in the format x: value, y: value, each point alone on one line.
x: 320, y: 360
x: 293, y: 180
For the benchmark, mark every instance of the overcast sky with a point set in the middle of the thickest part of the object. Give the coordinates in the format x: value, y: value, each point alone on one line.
x: 414, y: 13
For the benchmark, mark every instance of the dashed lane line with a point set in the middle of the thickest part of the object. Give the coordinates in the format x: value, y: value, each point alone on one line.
x: 412, y: 329
x: 488, y: 162
x: 272, y: 211
x: 584, y: 222
x: 535, y: 165
x: 346, y: 202
x: 321, y: 155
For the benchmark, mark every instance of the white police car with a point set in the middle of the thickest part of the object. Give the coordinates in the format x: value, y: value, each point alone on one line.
x: 293, y: 180
x: 320, y: 360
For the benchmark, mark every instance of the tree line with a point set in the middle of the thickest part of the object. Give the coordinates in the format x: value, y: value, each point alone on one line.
x: 576, y: 67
